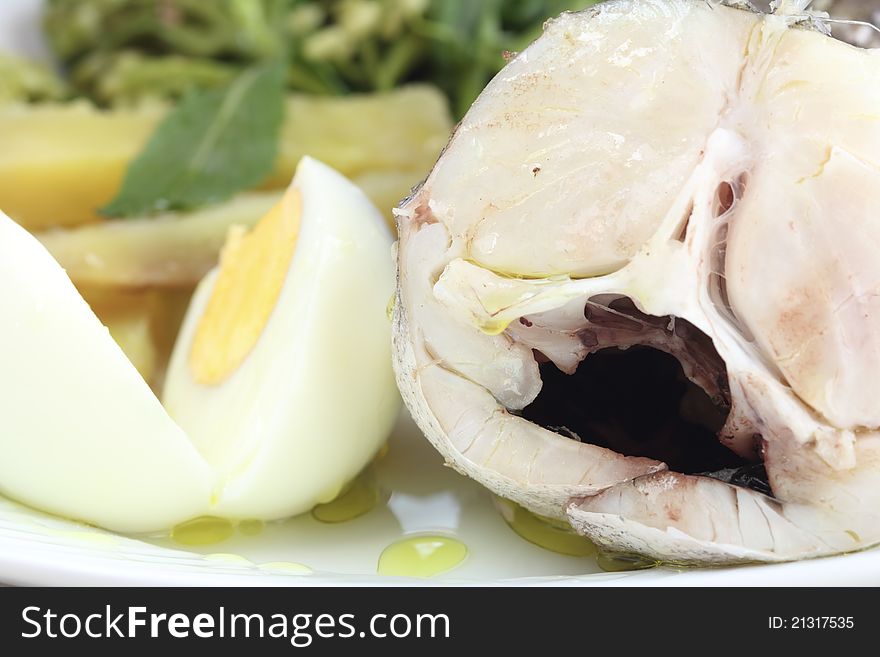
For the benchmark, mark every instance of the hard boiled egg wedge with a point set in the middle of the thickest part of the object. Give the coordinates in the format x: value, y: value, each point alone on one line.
x: 279, y: 390
x: 281, y: 373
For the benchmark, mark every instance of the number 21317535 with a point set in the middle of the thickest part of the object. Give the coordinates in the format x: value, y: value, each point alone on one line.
x: 811, y: 623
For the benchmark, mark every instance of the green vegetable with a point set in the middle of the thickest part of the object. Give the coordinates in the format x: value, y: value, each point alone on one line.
x: 332, y: 46
x: 23, y: 80
x: 128, y: 77
x: 214, y: 144
x: 216, y: 28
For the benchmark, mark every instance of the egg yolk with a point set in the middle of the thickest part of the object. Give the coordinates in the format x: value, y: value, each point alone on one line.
x: 253, y: 267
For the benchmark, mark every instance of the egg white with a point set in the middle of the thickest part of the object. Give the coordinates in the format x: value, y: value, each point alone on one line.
x: 81, y: 433
x: 83, y: 436
x: 315, y: 397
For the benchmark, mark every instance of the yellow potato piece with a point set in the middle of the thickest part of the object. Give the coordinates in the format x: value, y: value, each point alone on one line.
x: 59, y: 163
x: 171, y: 250
x: 402, y: 130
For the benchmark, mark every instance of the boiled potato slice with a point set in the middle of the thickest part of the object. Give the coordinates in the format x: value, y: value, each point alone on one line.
x: 168, y: 250
x: 400, y: 130
x: 59, y: 163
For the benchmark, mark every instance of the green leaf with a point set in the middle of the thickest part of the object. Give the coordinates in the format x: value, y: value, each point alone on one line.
x: 214, y: 144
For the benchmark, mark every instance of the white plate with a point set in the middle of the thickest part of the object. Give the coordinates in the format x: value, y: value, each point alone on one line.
x: 423, y: 497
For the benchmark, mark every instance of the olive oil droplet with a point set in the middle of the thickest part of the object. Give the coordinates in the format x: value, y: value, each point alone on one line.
x: 544, y: 532
x: 360, y: 496
x: 389, y: 308
x: 494, y: 327
x: 206, y: 530
x: 421, y: 556
x: 616, y: 563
